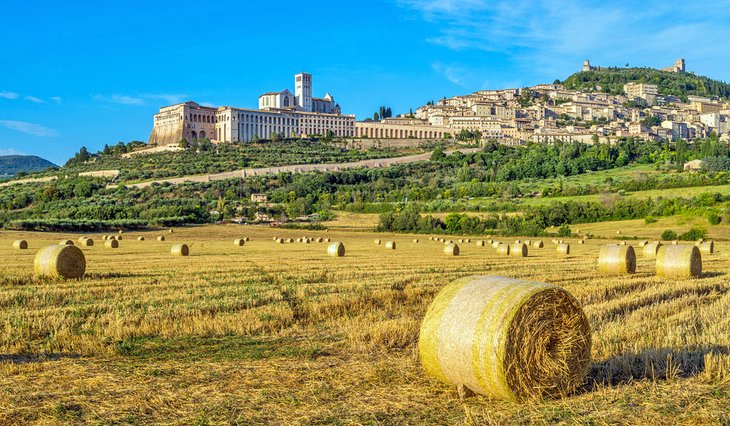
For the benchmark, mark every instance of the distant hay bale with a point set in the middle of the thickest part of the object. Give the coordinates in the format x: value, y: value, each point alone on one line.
x: 675, y: 242
x: 701, y: 240
x: 121, y: 231
x: 82, y: 239
x: 169, y: 231
x: 111, y: 244
x: 706, y: 247
x: 613, y: 259
x: 468, y: 240
x: 326, y: 240
x: 336, y: 249
x: 415, y: 240
x: 290, y: 240
x: 554, y: 241
x: 518, y: 241
x: 274, y: 238
x: 160, y: 238
x: 503, y: 249
x: 564, y: 249
x: 618, y: 232
x: 506, y: 339
x: 65, y: 243
x: 643, y: 243
x: 495, y: 244
x: 447, y: 242
x: 87, y: 242
x: 461, y: 240
x: 679, y: 261
x: 390, y: 245
x: 581, y: 241
x: 320, y: 239
x: 238, y: 242
x: 377, y: 242
x: 518, y: 250
x: 140, y: 238
x: 299, y: 240
x: 60, y: 261
x: 20, y: 245
x: 622, y: 243
x: 528, y: 242
x: 538, y: 244
x: 480, y: 243
x: 180, y: 250
x: 246, y: 239
x: 651, y: 249
x: 451, y: 250
x: 307, y: 241
x: 119, y: 237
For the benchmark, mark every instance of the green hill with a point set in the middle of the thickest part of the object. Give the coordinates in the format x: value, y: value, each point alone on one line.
x: 611, y: 80
x: 11, y: 165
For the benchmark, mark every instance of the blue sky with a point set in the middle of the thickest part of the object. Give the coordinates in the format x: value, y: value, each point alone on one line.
x: 88, y: 73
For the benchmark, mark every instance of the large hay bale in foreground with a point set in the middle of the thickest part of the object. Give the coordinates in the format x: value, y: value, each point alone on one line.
x: 160, y: 238
x: 518, y: 250
x: 390, y: 245
x: 706, y: 247
x: 65, y: 243
x: 564, y: 248
x: 679, y: 261
x: 506, y: 339
x: 538, y: 244
x: 180, y: 250
x: 503, y: 249
x: 613, y: 259
x: 60, y: 261
x: 336, y: 249
x: 111, y: 244
x: 451, y: 250
x: 238, y: 242
x: 20, y: 245
x: 651, y: 249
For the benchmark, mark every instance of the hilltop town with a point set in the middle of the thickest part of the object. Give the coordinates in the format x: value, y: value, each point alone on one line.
x: 541, y: 113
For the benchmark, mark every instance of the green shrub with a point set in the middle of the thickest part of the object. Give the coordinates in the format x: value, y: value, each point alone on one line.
x: 649, y: 220
x: 693, y: 234
x: 714, y: 218
x: 564, y: 231
x: 669, y: 235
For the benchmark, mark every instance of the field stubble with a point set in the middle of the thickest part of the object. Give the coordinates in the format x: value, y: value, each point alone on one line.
x: 270, y: 333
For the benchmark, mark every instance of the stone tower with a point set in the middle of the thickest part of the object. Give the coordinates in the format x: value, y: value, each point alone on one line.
x: 587, y: 65
x: 303, y: 91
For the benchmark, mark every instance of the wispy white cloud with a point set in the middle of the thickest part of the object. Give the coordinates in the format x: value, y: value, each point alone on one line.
x: 56, y: 99
x: 29, y: 128
x: 9, y: 95
x: 34, y: 99
x: 452, y: 73
x: 10, y: 151
x: 143, y: 99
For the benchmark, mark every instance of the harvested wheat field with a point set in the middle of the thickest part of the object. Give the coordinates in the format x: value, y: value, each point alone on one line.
x: 272, y: 334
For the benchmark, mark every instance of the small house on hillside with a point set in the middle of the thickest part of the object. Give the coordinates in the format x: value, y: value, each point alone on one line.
x: 693, y: 166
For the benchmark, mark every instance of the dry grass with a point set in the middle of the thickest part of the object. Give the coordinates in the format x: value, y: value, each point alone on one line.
x: 293, y: 336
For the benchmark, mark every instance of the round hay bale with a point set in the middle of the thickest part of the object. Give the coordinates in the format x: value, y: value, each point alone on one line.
x: 180, y: 250
x: 65, y: 243
x: 119, y: 237
x: 518, y: 250
x: 518, y: 241
x: 246, y: 239
x: 160, y: 238
x: 675, y: 242
x: 495, y: 244
x: 81, y: 239
x: 274, y: 238
x: 87, y: 242
x: 451, y: 250
x: 415, y: 240
x: 480, y: 243
x: 706, y: 247
x: 461, y: 240
x: 326, y: 240
x: 447, y: 242
x: 614, y: 259
x: 581, y: 241
x: 169, y: 231
x: 564, y: 249
x: 651, y: 249
x: 528, y: 242
x: 377, y: 242
x: 390, y: 245
x: 679, y: 261
x: 643, y: 243
x: 490, y: 242
x: 503, y: 249
x: 20, y: 245
x: 238, y: 242
x: 467, y: 240
x: 320, y: 239
x: 140, y: 238
x: 121, y: 231
x: 111, y: 244
x: 60, y: 261
x: 618, y: 232
x: 336, y: 249
x: 622, y: 243
x: 538, y: 244
x: 700, y: 241
x: 307, y: 241
x: 506, y: 339
x: 554, y: 241
x: 290, y: 240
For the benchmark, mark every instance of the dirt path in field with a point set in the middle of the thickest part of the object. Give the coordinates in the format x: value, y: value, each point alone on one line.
x: 296, y: 168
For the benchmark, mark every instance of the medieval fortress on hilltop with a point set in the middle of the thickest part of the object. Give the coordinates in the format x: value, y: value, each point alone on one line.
x: 678, y: 66
x: 284, y: 114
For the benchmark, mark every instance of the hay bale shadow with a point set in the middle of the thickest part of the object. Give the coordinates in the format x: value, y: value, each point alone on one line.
x: 35, y: 358
x: 652, y: 364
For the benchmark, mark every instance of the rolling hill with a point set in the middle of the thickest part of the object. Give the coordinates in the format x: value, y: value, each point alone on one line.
x: 11, y: 165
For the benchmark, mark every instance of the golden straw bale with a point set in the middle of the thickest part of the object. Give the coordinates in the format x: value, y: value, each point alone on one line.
x: 87, y: 242
x: 643, y: 243
x: 461, y: 240
x: 679, y: 261
x: 246, y: 239
x: 495, y: 244
x: 518, y: 250
x: 160, y: 238
x: 238, y: 242
x: 336, y: 249
x: 119, y: 237
x: 169, y: 231
x: 180, y: 250
x: 564, y: 248
x: 320, y: 239
x: 518, y: 241
x: 506, y: 339
x: 20, y: 245
x: 390, y: 245
x: 377, y: 242
x: 415, y: 240
x: 111, y: 244
x: 451, y: 250
x: 65, y: 243
x: 121, y: 231
x: 140, y: 238
x: 290, y: 240
x: 538, y: 244
x: 706, y: 247
x: 613, y: 259
x: 651, y: 249
x: 480, y: 243
x: 581, y: 241
x: 503, y: 249
x: 622, y: 243
x: 618, y: 232
x: 326, y: 240
x: 60, y: 261
x: 467, y: 240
